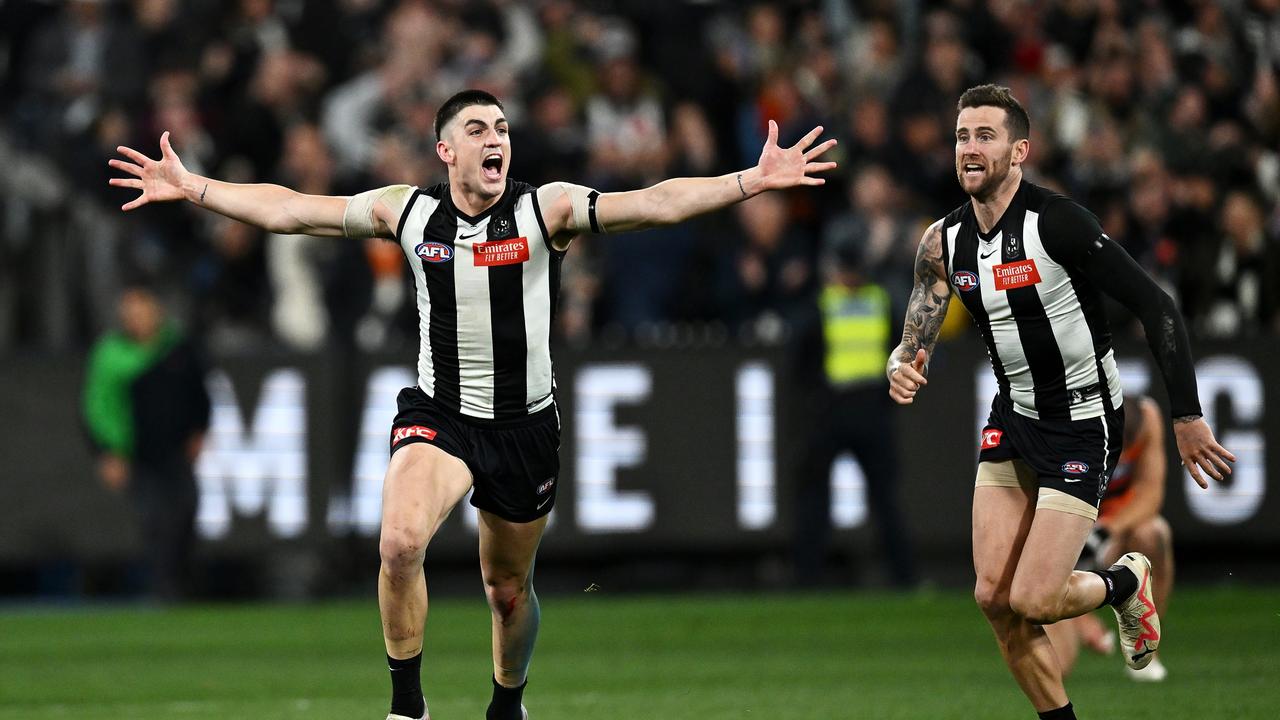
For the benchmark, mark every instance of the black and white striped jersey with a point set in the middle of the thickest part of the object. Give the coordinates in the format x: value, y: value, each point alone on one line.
x: 486, y: 293
x: 1042, y: 320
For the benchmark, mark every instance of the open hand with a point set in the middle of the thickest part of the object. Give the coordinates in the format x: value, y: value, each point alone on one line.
x: 907, y: 378
x: 1201, y: 452
x: 783, y: 168
x: 159, y: 180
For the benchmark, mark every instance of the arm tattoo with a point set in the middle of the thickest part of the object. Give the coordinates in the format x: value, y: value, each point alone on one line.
x: 202, y: 192
x: 927, y: 306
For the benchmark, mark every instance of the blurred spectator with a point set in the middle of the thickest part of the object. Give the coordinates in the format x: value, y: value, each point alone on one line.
x: 765, y: 280
x: 1150, y: 112
x: 146, y: 410
x: 1239, y: 292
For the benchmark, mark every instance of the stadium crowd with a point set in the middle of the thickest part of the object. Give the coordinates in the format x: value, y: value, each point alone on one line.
x: 1162, y: 117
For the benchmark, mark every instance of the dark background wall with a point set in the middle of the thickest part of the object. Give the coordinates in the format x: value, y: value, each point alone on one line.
x: 677, y: 470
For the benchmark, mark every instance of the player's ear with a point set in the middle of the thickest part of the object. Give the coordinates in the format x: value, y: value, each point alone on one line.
x: 445, y: 152
x: 1021, y: 149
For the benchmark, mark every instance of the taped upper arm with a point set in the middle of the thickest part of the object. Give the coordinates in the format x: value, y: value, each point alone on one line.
x: 375, y: 213
x: 568, y: 210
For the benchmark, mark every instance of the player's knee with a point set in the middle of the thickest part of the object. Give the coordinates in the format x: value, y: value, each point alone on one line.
x: 1034, y: 605
x: 1153, y: 536
x: 506, y: 593
x: 991, y: 598
x: 402, y: 548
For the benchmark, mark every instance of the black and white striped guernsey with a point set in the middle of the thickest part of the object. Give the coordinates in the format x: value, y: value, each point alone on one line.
x: 1043, y: 322
x: 486, y: 294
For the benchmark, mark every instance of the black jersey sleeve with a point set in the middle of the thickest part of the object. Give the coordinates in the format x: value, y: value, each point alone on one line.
x: 1073, y: 237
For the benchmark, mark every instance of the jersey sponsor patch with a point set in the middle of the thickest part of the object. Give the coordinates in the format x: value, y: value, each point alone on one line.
x: 434, y: 252
x: 403, y: 433
x: 991, y: 438
x: 964, y: 280
x: 1015, y: 274
x: 1075, y: 467
x: 502, y: 252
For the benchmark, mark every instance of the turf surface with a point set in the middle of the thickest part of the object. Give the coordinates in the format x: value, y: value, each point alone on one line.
x: 670, y: 658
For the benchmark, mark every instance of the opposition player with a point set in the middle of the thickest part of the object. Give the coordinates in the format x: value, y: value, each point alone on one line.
x: 1129, y: 517
x: 485, y: 252
x: 1030, y: 266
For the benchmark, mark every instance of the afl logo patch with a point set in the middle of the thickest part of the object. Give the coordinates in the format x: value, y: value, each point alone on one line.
x: 434, y: 252
x: 964, y: 280
x: 1075, y: 467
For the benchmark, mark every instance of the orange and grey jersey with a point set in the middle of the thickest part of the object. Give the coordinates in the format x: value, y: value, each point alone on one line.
x: 486, y: 293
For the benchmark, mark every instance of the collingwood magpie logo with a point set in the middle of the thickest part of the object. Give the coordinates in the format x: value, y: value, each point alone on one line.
x: 501, y: 227
x: 1011, y: 248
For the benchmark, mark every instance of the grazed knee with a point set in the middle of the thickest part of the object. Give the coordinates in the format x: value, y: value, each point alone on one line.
x: 402, y: 551
x: 506, y: 594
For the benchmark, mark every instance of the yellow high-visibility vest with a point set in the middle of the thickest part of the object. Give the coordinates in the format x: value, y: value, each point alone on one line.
x: 856, y: 326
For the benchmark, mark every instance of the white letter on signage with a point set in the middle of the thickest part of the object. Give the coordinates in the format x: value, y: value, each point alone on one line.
x: 603, y: 448
x: 1240, y: 498
x: 264, y: 468
x: 756, y: 504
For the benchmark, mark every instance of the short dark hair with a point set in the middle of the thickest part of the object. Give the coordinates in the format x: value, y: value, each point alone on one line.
x: 464, y: 99
x: 1016, y: 120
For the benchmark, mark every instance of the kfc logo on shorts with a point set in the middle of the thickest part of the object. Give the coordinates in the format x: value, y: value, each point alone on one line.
x: 964, y: 280
x: 1075, y: 467
x: 403, y: 433
x: 991, y: 438
x: 545, y: 487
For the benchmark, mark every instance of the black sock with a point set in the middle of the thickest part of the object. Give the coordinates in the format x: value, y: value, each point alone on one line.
x: 406, y: 686
x: 1063, y: 713
x: 505, y: 704
x: 1121, y: 583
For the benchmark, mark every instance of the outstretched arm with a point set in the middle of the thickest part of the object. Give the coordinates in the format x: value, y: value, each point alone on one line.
x: 677, y: 200
x: 1073, y: 234
x: 926, y: 309
x: 270, y: 207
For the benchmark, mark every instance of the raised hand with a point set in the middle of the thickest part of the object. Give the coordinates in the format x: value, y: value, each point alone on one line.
x: 783, y: 168
x: 159, y: 180
x: 906, y: 379
x: 1200, y: 451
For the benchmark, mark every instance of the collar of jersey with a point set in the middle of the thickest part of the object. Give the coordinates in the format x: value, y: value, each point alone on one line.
x: 475, y: 220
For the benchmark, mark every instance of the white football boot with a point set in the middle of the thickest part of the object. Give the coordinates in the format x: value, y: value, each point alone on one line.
x: 1155, y: 672
x: 1136, y: 616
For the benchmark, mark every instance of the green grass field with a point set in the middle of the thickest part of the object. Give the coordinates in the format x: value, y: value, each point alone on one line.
x: 742, y: 656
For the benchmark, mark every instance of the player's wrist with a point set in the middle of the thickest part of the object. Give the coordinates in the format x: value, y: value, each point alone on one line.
x: 195, y: 189
x: 748, y: 183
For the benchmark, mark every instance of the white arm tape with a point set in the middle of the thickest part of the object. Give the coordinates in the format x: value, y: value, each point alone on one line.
x: 358, y: 220
x: 583, y: 201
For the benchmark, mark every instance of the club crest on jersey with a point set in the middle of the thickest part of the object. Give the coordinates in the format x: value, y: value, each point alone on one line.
x: 501, y: 226
x: 434, y: 252
x: 964, y: 280
x: 1011, y: 247
x: 1011, y: 275
x: 1075, y: 467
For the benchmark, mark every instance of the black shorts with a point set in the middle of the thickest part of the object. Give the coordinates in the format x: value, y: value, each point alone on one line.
x: 1076, y: 457
x: 515, y: 464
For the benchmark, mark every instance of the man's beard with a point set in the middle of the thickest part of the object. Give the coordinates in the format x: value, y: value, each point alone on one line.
x: 998, y: 173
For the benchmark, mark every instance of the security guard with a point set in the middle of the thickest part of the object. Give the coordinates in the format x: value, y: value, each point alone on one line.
x: 840, y: 355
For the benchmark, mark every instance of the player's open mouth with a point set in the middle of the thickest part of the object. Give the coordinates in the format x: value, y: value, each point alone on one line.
x: 972, y: 169
x: 491, y: 166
